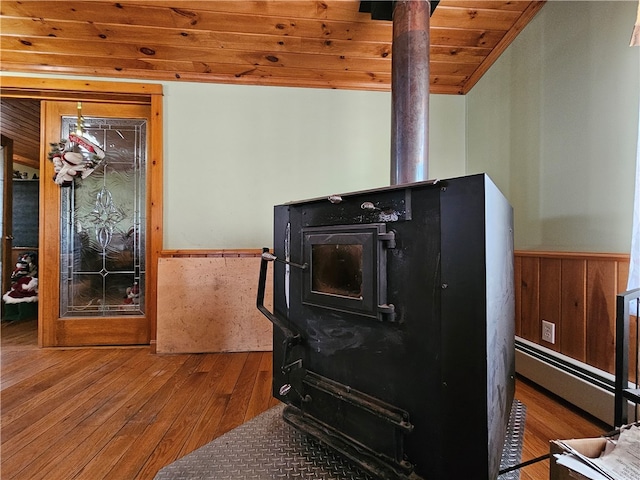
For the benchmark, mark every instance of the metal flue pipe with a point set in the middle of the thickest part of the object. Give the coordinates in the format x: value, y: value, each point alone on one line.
x: 410, y: 92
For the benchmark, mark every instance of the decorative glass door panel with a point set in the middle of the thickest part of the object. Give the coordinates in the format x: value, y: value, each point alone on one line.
x: 102, y: 224
x: 95, y: 274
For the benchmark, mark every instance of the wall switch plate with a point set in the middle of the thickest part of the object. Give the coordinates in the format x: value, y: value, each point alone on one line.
x: 548, y: 331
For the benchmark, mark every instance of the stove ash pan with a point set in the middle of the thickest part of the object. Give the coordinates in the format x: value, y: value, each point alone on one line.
x: 394, y: 312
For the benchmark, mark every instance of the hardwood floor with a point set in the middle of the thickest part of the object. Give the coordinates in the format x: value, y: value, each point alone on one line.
x: 123, y: 413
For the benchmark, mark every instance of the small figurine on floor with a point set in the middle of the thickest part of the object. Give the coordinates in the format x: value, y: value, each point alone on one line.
x: 26, y: 265
x: 24, y: 283
x: 25, y: 289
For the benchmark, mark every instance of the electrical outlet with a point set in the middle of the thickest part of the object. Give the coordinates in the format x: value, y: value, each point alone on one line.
x: 548, y: 331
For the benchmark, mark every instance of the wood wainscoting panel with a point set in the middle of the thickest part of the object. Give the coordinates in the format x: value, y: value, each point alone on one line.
x: 550, y: 280
x: 602, y: 287
x: 623, y: 276
x: 576, y: 291
x: 530, y: 297
x: 208, y: 304
x: 573, y: 332
x: 517, y: 271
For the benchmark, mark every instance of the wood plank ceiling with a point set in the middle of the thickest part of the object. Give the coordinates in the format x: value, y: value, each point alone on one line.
x: 20, y: 121
x: 324, y: 43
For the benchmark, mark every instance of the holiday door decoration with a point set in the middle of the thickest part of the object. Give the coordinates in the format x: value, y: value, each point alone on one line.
x: 72, y: 157
x: 75, y: 156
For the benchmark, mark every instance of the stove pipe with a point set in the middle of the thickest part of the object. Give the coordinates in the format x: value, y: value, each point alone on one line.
x: 410, y: 92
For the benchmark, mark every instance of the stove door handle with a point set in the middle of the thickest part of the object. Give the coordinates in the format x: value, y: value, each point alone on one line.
x: 291, y: 338
x: 269, y: 257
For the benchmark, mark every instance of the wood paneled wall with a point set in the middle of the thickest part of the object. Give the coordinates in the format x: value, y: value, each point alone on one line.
x: 575, y: 291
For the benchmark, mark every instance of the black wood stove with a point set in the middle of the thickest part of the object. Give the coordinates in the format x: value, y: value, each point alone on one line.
x: 394, y: 315
x: 394, y: 308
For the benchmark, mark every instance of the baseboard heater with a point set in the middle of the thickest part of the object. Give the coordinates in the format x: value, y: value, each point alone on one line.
x: 586, y: 387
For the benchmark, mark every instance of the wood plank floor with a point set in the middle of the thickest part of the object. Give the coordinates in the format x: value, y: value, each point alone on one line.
x: 123, y: 413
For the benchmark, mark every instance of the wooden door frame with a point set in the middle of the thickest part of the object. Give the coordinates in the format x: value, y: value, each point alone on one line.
x: 117, y: 92
x: 7, y: 207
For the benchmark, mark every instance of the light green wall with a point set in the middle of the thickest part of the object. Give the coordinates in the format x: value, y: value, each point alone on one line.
x: 555, y: 122
x: 234, y: 151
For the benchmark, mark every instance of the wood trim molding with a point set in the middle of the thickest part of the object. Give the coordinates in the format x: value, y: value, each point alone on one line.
x: 155, y: 212
x: 19, y: 159
x: 64, y: 89
x: 202, y: 253
x: 256, y: 252
x: 618, y: 257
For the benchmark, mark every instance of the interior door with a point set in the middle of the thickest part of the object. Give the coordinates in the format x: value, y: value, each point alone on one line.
x: 93, y: 230
x: 7, y: 212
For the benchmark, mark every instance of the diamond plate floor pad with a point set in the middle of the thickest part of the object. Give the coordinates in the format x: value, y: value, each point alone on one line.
x: 267, y: 448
